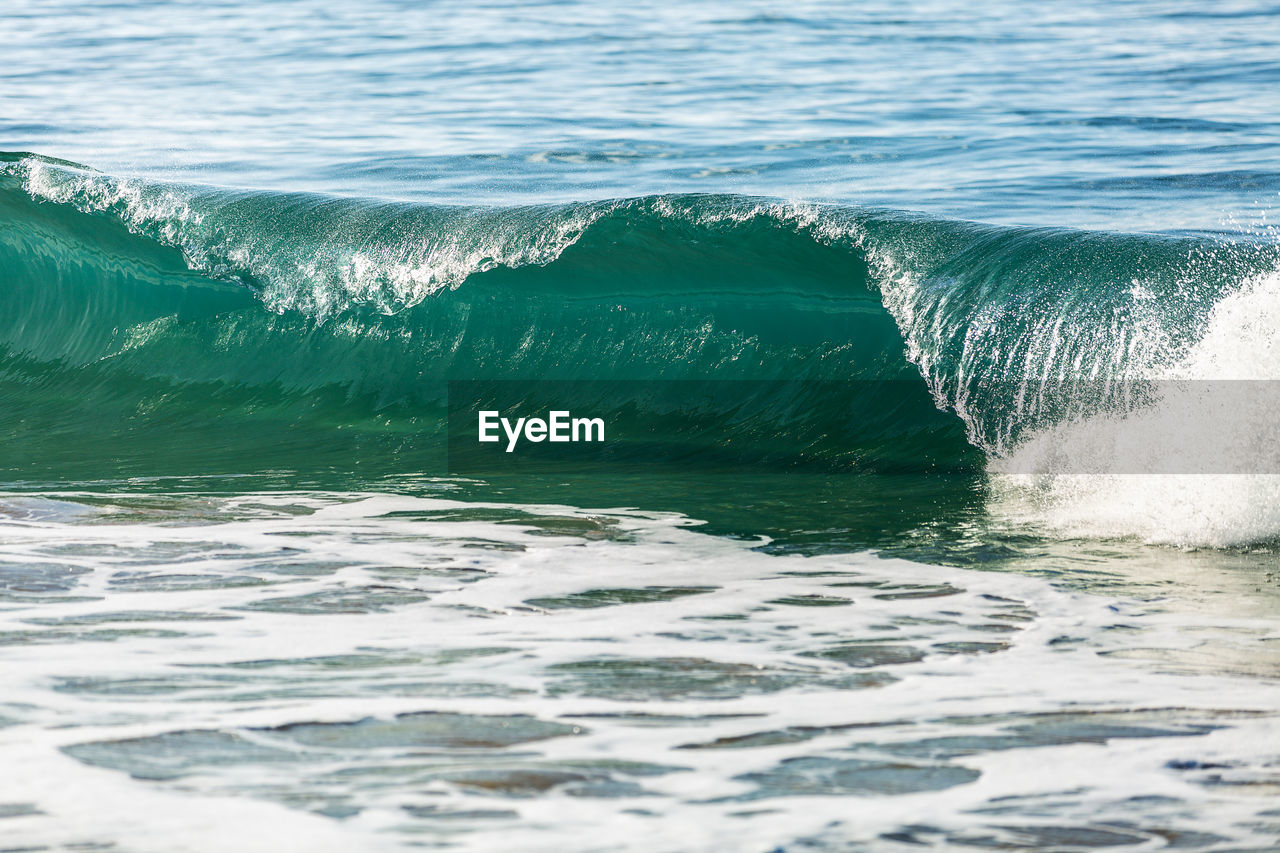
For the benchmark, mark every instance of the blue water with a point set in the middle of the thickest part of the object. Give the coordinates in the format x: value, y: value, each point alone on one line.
x: 1132, y: 116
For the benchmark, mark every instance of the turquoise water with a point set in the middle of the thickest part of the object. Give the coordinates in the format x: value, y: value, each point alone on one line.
x: 933, y: 345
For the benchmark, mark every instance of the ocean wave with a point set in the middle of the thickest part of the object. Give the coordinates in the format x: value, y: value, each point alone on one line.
x: 148, y: 314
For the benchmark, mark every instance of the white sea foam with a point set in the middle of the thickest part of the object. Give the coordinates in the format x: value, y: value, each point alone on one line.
x: 1198, y: 464
x: 834, y: 699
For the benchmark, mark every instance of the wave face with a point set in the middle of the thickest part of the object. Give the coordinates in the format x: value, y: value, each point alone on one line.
x: 193, y: 330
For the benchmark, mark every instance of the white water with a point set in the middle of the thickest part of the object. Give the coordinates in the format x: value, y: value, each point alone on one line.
x: 1196, y: 466
x: 139, y: 617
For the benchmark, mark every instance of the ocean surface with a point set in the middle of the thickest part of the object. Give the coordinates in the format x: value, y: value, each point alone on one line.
x: 935, y: 342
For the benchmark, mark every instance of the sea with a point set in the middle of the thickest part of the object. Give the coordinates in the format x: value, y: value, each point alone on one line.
x: 937, y: 504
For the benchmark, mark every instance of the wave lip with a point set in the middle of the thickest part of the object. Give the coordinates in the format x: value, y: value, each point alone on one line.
x: 313, y: 254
